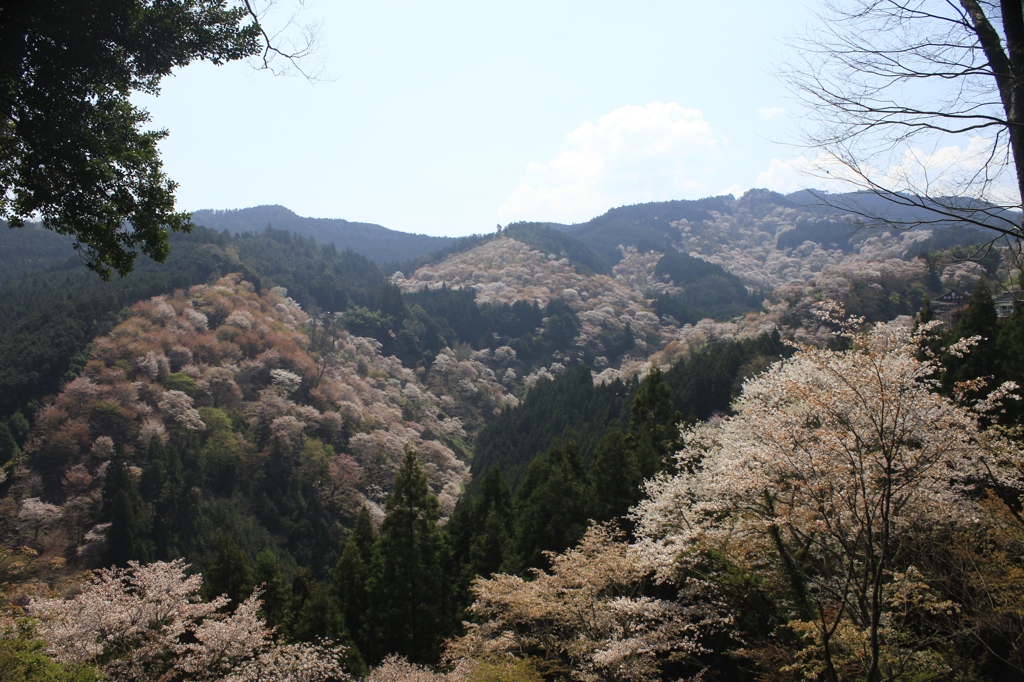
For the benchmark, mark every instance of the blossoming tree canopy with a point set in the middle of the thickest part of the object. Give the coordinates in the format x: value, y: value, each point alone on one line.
x: 833, y: 459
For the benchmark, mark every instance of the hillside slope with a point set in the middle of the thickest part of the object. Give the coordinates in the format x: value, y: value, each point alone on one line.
x: 215, y: 397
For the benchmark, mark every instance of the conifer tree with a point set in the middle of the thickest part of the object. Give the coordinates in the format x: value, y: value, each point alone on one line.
x: 121, y: 503
x: 123, y: 542
x: 493, y: 524
x: 614, y: 477
x: 551, y: 508
x: 408, y: 588
x: 230, y: 572
x: 653, y: 431
x: 268, y: 576
x: 979, y: 318
x: 9, y: 449
x: 351, y: 575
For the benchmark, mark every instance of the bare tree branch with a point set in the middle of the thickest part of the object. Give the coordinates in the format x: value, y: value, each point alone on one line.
x: 920, y: 103
x: 293, y: 42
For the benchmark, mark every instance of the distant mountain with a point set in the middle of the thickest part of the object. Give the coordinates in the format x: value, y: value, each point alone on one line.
x: 30, y: 248
x: 904, y: 212
x: 379, y: 244
x: 649, y: 227
x: 645, y: 226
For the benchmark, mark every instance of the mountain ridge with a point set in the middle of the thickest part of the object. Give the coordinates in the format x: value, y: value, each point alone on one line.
x: 378, y: 243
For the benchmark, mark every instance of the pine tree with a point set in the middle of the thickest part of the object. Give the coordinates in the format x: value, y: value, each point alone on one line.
x: 409, y: 592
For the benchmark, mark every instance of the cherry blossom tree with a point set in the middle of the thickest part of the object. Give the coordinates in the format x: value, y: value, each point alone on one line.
x: 589, y: 617
x: 147, y: 622
x: 37, y: 514
x: 834, y: 460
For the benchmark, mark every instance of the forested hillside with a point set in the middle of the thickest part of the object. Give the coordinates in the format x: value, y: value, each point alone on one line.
x: 439, y: 468
x: 377, y: 243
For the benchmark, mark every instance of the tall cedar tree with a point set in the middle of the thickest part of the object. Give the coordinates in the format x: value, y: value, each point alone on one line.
x: 979, y: 318
x: 493, y: 524
x: 269, y: 575
x: 351, y: 576
x: 121, y: 502
x: 409, y: 592
x: 551, y: 507
x: 653, y: 427
x: 230, y: 572
x: 614, y: 477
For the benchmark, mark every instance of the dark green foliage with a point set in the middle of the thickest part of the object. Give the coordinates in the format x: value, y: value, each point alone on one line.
x: 550, y: 241
x: 645, y: 226
x: 350, y: 580
x: 314, y: 274
x: 23, y: 659
x: 459, y: 245
x: 409, y: 593
x: 378, y: 244
x: 551, y: 504
x: 9, y: 449
x: 230, y: 573
x: 167, y: 489
x: 74, y: 149
x: 710, y: 291
x: 1010, y: 346
x: 550, y: 410
x: 829, y: 233
x: 977, y: 319
x: 29, y: 249
x: 414, y: 327
x: 615, y: 480
x: 880, y: 304
x: 494, y: 525
x: 314, y: 610
x: 269, y: 577
x: 457, y: 318
x: 653, y: 431
x: 48, y: 318
x: 712, y: 378
x: 123, y: 541
x: 481, y: 530
x: 958, y: 241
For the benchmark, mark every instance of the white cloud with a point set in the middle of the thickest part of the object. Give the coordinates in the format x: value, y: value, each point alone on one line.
x: 770, y: 112
x: 633, y: 154
x: 735, y: 190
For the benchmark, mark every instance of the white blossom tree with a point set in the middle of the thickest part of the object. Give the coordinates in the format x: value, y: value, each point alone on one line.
x: 37, y: 514
x: 589, y: 617
x: 832, y: 462
x: 148, y: 622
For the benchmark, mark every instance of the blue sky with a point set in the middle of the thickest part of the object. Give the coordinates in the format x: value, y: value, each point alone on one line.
x: 450, y: 117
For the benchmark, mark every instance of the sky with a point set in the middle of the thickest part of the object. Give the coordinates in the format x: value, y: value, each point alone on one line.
x: 449, y: 118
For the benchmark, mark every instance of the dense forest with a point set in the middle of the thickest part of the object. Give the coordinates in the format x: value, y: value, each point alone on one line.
x: 307, y: 462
